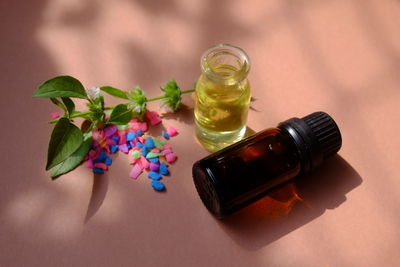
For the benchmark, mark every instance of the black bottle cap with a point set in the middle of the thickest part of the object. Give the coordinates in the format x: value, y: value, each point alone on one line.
x: 317, y: 137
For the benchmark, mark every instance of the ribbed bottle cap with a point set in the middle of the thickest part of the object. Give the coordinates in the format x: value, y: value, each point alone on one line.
x: 325, y: 131
x: 317, y: 137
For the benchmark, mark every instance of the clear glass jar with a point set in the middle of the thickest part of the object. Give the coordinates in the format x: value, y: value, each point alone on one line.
x: 222, y: 96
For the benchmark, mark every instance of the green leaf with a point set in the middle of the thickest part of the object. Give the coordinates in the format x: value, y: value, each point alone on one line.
x: 114, y: 92
x: 69, y: 104
x: 58, y: 103
x: 61, y: 86
x: 74, y: 160
x: 65, y: 139
x: 120, y: 115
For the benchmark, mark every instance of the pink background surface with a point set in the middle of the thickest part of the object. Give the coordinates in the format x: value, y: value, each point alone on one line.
x: 342, y: 57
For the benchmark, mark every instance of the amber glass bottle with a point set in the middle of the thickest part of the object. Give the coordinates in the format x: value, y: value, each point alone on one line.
x: 242, y: 173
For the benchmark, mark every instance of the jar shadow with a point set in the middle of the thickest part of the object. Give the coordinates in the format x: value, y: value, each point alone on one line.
x: 292, y: 205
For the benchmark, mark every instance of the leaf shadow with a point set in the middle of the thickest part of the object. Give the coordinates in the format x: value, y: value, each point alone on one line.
x: 252, y: 100
x: 99, y: 192
x: 184, y: 115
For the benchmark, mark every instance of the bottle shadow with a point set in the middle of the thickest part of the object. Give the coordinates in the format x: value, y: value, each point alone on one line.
x: 292, y: 205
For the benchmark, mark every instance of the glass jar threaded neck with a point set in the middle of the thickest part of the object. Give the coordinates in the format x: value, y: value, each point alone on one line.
x: 225, y: 63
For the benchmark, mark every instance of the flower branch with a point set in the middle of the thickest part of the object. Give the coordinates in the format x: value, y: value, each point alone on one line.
x: 69, y: 144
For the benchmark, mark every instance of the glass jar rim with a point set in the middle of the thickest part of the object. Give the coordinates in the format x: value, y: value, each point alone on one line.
x: 226, y: 49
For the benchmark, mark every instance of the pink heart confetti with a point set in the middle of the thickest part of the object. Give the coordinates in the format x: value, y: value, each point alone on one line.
x: 145, y: 163
x: 166, y: 151
x: 172, y: 131
x: 171, y: 157
x: 153, y: 117
x: 101, y: 165
x: 54, y: 115
x: 124, y: 148
x: 143, y: 154
x: 136, y: 171
x: 89, y: 164
x: 140, y: 139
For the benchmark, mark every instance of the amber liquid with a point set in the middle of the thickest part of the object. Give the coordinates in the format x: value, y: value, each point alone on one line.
x: 221, y: 108
x: 246, y: 171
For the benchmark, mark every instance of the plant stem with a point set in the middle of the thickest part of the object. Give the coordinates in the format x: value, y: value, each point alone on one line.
x: 155, y: 98
x: 76, y: 114
x: 80, y: 114
x: 187, y: 91
x: 163, y: 96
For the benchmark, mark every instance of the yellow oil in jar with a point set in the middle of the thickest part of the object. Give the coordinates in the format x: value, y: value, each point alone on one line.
x: 221, y: 108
